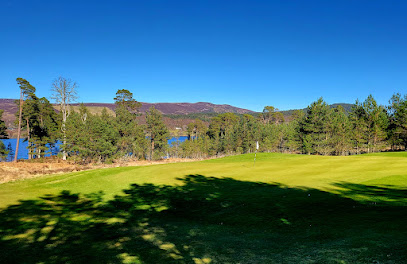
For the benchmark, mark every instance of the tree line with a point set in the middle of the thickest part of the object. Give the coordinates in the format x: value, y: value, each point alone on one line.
x: 321, y: 130
x: 85, y: 137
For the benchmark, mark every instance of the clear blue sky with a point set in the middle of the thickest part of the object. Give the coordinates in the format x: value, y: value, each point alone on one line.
x: 244, y: 53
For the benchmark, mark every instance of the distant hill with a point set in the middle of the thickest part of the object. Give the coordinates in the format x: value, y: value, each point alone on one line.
x: 10, y: 109
x: 183, y: 112
x: 180, y: 108
x: 346, y: 107
x: 167, y: 109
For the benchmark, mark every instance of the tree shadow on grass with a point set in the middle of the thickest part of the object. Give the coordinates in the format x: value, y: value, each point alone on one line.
x: 382, y: 194
x: 207, y: 220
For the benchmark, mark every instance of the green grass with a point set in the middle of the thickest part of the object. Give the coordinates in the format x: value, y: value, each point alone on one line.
x: 291, y: 170
x: 285, y: 209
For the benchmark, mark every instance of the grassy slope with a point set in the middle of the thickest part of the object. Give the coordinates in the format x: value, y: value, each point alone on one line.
x: 302, y: 214
x: 292, y: 170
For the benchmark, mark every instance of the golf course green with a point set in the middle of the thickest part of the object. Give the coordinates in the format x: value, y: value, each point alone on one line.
x: 280, y: 209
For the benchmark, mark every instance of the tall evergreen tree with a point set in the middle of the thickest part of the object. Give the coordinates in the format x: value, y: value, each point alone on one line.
x: 90, y: 137
x: 358, y: 123
x: 29, y: 115
x: 26, y: 89
x: 313, y: 128
x: 222, y: 130
x: 398, y: 119
x: 3, y: 127
x: 132, y: 141
x: 45, y: 127
x: 196, y: 129
x: 339, y: 127
x: 157, y: 132
x: 293, y: 139
x: 377, y: 123
x: 271, y: 115
x: 10, y: 151
x: 124, y: 98
x: 247, y: 133
x: 3, y: 151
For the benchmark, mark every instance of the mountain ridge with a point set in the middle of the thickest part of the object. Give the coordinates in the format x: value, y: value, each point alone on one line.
x: 182, y: 108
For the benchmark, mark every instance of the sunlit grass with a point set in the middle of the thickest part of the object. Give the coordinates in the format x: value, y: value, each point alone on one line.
x: 281, y: 209
x: 291, y: 170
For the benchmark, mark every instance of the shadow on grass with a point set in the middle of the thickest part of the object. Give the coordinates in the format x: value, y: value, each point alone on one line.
x: 383, y: 194
x: 208, y: 220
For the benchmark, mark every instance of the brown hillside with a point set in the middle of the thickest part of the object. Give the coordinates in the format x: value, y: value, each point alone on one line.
x: 10, y: 109
x: 181, y: 108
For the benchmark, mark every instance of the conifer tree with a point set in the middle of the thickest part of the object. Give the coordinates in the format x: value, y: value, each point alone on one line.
x: 358, y: 123
x: 26, y: 89
x: 157, y: 132
x: 90, y: 137
x: 3, y: 127
x: 29, y: 115
x: 339, y: 127
x: 132, y: 140
x: 313, y: 128
x: 398, y: 119
x: 3, y: 151
x: 45, y: 127
x: 377, y: 123
x: 10, y: 151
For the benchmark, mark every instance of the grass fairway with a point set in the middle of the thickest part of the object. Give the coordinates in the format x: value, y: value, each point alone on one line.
x: 285, y: 209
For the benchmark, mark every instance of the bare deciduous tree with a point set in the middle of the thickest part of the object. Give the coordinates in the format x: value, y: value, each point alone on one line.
x: 64, y: 93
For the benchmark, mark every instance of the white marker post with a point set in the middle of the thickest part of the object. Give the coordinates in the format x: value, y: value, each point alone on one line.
x: 255, y: 153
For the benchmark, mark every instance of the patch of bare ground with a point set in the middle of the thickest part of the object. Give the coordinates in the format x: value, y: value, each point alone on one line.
x: 14, y: 171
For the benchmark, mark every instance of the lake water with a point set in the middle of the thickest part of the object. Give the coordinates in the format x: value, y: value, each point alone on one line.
x: 23, y: 151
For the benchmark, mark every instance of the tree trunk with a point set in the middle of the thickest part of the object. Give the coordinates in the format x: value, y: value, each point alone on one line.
x: 28, y: 140
x: 64, y: 116
x: 152, y: 149
x: 19, y: 126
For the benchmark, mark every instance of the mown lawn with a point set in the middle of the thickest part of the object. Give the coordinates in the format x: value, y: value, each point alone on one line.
x: 283, y: 209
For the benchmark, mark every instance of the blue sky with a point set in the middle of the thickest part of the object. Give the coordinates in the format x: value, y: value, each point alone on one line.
x: 245, y: 53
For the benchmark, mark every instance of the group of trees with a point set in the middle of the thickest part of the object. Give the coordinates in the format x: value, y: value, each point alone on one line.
x: 320, y: 130
x: 87, y: 137
x: 105, y: 137
x: 3, y: 134
x: 38, y: 118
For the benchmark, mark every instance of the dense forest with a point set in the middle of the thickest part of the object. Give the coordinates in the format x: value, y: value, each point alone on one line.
x: 321, y: 130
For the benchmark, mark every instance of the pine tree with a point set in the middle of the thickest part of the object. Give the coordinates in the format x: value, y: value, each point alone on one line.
x: 10, y: 156
x: 3, y: 151
x: 358, y: 123
x: 90, y: 137
x: 158, y: 133
x: 377, y: 123
x: 340, y: 131
x: 29, y: 115
x: 3, y: 127
x: 124, y: 98
x: 313, y: 128
x: 398, y: 120
x: 271, y: 115
x: 45, y: 127
x: 222, y: 130
x: 132, y: 141
x: 26, y: 89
